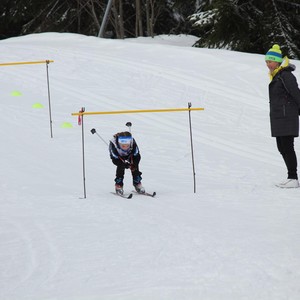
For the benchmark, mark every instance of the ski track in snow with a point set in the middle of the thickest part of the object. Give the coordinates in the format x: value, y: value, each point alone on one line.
x: 29, y: 243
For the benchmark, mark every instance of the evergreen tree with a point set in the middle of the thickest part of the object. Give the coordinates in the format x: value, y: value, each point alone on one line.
x: 281, y: 24
x: 248, y: 25
x: 180, y: 10
x: 13, y: 16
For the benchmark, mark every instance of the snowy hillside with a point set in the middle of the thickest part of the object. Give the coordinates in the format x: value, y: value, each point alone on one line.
x: 237, y: 237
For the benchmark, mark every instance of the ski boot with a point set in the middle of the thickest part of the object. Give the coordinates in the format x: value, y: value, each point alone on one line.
x: 139, y: 188
x: 138, y: 184
x: 119, y: 189
x: 119, y: 186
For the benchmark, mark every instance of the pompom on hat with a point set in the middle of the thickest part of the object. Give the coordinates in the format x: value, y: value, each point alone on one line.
x: 274, y: 54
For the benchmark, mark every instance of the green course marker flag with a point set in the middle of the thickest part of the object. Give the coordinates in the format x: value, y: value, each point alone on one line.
x: 66, y: 125
x: 37, y: 105
x: 16, y: 93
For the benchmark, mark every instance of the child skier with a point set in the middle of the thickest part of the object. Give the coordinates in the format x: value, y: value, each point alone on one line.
x: 125, y: 154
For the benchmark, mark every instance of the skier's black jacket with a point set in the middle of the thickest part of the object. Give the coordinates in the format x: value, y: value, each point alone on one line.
x: 119, y: 156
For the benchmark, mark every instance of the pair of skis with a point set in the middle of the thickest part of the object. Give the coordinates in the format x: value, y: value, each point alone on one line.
x: 129, y: 195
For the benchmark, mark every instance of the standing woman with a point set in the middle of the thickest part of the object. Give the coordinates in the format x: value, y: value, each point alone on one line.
x: 284, y: 96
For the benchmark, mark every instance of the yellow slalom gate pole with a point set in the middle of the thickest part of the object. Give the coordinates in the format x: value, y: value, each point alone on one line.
x: 47, y: 74
x: 82, y: 113
x: 136, y: 111
x: 49, y: 102
x: 26, y: 63
x: 192, y: 147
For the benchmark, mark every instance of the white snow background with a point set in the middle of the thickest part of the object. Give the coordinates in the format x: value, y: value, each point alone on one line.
x: 237, y: 237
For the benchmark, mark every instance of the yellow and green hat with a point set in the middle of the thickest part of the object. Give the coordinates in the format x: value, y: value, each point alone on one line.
x: 274, y: 54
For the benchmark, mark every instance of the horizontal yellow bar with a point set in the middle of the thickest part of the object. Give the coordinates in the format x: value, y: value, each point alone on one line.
x: 135, y: 111
x: 26, y: 63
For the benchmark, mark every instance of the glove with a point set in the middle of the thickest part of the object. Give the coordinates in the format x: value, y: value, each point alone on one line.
x: 132, y: 167
x: 93, y: 130
x: 127, y: 164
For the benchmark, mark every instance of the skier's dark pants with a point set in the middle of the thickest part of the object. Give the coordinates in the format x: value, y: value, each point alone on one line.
x: 121, y: 170
x: 285, y: 145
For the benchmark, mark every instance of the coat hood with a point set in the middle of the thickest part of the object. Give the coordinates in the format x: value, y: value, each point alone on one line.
x: 284, y: 66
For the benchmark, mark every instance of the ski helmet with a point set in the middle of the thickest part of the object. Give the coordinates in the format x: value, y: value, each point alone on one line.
x: 125, y: 140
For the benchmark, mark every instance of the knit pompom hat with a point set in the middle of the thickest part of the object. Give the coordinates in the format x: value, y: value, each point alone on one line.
x: 274, y: 54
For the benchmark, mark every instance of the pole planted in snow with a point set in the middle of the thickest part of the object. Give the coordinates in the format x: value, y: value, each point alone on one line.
x: 80, y: 122
x: 189, y: 109
x: 47, y: 73
x: 49, y: 103
x: 192, y: 148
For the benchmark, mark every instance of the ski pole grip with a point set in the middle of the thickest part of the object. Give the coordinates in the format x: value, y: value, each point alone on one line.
x: 93, y: 130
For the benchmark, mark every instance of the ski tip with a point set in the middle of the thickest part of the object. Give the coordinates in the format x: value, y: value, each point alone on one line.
x: 154, y: 194
x: 129, y: 196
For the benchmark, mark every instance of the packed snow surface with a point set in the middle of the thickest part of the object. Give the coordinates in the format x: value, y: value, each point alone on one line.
x: 237, y: 237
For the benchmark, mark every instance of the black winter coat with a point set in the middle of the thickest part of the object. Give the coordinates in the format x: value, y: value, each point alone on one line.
x: 284, y: 97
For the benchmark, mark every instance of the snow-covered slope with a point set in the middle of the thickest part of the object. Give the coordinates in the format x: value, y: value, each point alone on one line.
x: 237, y: 237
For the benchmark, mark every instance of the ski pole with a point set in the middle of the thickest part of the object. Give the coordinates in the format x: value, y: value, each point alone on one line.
x: 129, y: 124
x: 93, y: 131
